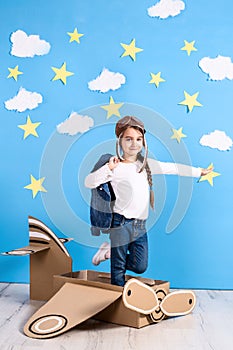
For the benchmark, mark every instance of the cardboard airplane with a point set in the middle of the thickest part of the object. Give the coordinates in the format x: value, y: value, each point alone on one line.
x: 73, y: 297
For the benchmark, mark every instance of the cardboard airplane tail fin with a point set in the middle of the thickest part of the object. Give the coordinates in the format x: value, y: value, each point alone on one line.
x: 44, y: 265
x: 48, y: 257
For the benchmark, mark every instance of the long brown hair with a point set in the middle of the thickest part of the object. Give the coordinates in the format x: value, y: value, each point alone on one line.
x: 149, y: 179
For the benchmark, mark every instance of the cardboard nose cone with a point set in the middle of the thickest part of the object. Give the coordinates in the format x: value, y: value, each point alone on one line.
x: 178, y: 303
x: 132, y: 297
x: 158, y: 315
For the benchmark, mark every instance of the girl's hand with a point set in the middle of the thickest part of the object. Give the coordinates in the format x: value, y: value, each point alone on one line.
x: 113, y: 162
x: 206, y: 171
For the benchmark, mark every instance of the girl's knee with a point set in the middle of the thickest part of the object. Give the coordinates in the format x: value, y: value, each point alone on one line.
x: 141, y: 268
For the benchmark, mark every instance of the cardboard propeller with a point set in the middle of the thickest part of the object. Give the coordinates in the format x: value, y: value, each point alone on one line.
x: 157, y: 303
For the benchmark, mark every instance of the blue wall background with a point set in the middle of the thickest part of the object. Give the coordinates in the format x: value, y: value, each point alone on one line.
x: 198, y: 252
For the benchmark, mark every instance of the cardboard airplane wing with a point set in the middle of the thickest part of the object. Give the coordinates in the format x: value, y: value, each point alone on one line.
x: 70, y: 306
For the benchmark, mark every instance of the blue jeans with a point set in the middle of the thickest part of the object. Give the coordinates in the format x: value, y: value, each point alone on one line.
x: 129, y: 247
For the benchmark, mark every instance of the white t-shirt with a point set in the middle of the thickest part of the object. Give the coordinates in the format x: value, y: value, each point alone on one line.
x: 131, y: 187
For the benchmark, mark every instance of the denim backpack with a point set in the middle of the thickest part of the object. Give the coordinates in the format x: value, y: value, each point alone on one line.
x: 102, y: 200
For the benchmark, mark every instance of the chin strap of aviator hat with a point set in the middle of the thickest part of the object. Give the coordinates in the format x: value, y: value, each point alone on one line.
x: 118, y: 147
x: 145, y: 156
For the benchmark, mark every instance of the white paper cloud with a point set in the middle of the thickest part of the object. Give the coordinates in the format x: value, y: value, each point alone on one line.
x: 166, y: 8
x: 74, y: 124
x: 107, y: 81
x: 24, y: 45
x: 24, y: 100
x: 217, y: 68
x: 217, y: 139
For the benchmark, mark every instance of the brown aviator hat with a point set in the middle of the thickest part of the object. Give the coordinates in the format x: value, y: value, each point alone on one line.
x: 122, y: 125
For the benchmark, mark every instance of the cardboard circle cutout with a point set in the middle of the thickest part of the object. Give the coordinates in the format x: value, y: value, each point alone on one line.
x: 48, y: 324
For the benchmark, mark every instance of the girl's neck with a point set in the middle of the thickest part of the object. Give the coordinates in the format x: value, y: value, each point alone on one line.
x: 128, y: 159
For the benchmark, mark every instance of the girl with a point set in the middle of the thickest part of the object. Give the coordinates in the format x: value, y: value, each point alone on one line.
x: 130, y: 175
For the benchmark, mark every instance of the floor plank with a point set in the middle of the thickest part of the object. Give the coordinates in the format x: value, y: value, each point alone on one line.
x: 209, y: 327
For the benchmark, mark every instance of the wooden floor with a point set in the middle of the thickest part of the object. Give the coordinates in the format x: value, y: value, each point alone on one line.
x: 209, y: 327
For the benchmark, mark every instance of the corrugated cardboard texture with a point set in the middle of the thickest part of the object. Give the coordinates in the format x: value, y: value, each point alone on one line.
x: 43, y: 266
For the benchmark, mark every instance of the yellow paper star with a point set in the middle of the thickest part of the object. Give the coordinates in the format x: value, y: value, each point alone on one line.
x: 14, y: 72
x: 190, y: 101
x: 209, y: 177
x: 189, y: 47
x: 29, y: 128
x: 156, y: 79
x: 61, y: 73
x: 112, y: 108
x: 75, y: 36
x: 36, y: 186
x: 178, y: 134
x: 131, y: 50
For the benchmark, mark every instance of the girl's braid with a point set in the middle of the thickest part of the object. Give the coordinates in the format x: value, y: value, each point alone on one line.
x: 149, y: 179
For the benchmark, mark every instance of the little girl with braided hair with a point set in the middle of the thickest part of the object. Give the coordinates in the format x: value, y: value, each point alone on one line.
x: 130, y: 175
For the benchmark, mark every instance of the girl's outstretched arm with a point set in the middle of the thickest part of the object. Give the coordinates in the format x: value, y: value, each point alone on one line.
x: 158, y: 167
